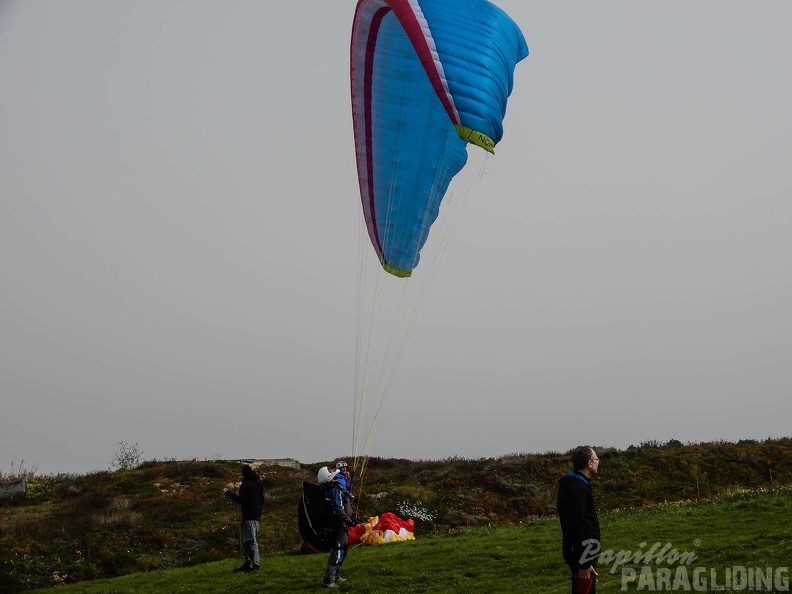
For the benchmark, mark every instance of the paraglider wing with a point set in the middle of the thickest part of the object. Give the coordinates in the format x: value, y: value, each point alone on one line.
x: 382, y: 529
x: 429, y: 84
x: 427, y: 77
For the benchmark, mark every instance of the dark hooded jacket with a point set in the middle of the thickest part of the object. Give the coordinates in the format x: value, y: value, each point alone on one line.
x: 336, y: 499
x: 579, y: 522
x: 251, y: 496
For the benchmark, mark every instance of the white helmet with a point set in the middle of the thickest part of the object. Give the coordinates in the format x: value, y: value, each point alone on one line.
x: 325, y: 475
x: 341, y: 465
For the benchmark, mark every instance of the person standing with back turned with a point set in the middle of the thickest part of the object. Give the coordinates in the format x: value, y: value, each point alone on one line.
x: 580, y: 527
x: 251, y: 499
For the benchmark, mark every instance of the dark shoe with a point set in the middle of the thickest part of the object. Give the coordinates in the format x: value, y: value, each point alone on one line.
x: 245, y: 567
x: 255, y: 567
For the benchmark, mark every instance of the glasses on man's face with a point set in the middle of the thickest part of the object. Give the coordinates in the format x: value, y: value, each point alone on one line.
x: 595, y: 459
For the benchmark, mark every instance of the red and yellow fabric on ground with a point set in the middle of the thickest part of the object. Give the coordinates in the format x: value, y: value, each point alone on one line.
x: 382, y: 529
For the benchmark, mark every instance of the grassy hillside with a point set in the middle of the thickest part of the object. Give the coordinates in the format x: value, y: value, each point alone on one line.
x: 166, y: 515
x: 748, y: 529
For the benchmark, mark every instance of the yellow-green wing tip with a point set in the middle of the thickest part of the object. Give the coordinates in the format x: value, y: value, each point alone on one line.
x: 477, y: 138
x: 397, y: 271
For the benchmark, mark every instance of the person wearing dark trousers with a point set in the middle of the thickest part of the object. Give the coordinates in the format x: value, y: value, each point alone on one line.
x: 251, y: 500
x: 335, y: 496
x: 580, y: 527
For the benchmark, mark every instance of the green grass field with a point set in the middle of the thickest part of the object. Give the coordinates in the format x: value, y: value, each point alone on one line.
x: 751, y: 529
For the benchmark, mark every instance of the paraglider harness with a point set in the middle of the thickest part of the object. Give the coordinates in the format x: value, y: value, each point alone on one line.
x: 316, y: 519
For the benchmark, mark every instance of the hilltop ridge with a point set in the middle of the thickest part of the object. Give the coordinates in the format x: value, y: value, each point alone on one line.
x: 171, y: 514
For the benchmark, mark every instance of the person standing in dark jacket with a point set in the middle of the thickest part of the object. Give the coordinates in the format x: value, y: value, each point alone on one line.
x: 580, y: 528
x: 336, y: 499
x: 251, y: 499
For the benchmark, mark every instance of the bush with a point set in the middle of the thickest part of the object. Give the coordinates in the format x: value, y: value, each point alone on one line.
x: 128, y: 457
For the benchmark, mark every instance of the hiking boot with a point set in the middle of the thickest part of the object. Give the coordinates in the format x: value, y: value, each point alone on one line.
x: 255, y: 567
x: 340, y: 580
x: 329, y: 584
x: 245, y: 567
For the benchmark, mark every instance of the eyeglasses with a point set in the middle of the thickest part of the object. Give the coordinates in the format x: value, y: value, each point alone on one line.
x: 594, y: 460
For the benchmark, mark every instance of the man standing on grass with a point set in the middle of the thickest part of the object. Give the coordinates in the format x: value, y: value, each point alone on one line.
x: 251, y: 498
x: 336, y: 500
x: 579, y: 523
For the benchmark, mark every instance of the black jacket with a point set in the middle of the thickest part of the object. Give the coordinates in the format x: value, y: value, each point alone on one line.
x: 336, y: 500
x: 579, y: 522
x: 251, y: 497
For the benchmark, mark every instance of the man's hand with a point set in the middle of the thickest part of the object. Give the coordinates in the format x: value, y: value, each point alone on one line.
x: 587, y: 573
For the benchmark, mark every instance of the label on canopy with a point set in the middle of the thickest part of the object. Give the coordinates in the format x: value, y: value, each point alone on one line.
x: 477, y: 138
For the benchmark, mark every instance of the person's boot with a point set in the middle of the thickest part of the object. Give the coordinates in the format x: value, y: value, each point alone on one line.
x: 245, y: 567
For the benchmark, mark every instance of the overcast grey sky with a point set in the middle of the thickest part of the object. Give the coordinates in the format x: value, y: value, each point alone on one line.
x: 179, y: 225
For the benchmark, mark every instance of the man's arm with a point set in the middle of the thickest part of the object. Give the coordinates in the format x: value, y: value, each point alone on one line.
x: 233, y: 496
x: 338, y: 507
x: 574, y: 510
